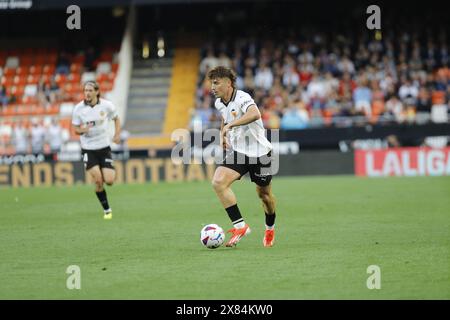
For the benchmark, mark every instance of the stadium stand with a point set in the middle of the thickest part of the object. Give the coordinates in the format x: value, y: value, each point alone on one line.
x: 331, y: 80
x: 42, y: 67
x: 302, y: 74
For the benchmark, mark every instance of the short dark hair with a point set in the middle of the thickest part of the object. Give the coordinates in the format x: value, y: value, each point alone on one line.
x: 222, y: 72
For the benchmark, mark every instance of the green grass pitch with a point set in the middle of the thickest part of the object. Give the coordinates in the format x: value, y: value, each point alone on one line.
x: 328, y: 231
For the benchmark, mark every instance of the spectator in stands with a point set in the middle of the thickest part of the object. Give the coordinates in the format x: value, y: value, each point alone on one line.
x: 295, y: 116
x: 208, y: 62
x: 89, y: 59
x: 346, y: 65
x: 37, y: 134
x: 393, y: 141
x: 54, y: 91
x: 224, y: 60
x: 249, y: 81
x: 264, y: 77
x: 316, y: 91
x: 362, y: 97
x: 202, y: 115
x: 54, y: 136
x: 20, y: 139
x: 408, y: 92
x: 4, y: 99
x: 63, y: 64
x: 290, y: 77
x: 325, y: 67
x: 394, y: 109
x: 124, y: 136
x: 423, y: 100
x: 346, y: 84
x: 43, y: 92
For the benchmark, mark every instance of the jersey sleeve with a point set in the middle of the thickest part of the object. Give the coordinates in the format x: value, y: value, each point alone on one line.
x: 245, y: 101
x: 76, y: 120
x: 112, y: 111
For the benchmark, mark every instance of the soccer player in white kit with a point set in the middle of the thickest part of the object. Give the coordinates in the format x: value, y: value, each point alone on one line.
x: 248, y: 150
x: 91, y: 120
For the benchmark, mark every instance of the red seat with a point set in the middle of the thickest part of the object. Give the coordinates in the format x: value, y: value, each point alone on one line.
x: 7, y: 81
x: 33, y: 79
x: 29, y: 100
x: 35, y: 70
x: 22, y: 71
x: 17, y: 90
x: 8, y: 72
x: 49, y: 69
x: 74, y: 78
x: 60, y: 79
x: 20, y: 80
x: 75, y: 67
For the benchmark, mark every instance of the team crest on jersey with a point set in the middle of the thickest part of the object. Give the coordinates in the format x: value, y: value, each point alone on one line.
x: 233, y: 113
x: 102, y: 114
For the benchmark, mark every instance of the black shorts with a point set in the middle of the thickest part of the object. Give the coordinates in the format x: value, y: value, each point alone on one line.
x: 258, y: 168
x: 100, y: 157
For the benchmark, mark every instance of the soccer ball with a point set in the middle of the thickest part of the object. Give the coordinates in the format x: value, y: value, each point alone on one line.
x: 212, y: 236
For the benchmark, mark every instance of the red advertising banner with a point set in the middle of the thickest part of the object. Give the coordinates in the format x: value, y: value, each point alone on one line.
x: 402, y: 162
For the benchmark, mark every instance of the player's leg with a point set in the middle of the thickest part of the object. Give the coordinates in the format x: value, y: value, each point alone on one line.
x: 108, y: 175
x: 268, y: 202
x: 222, y: 180
x: 97, y: 177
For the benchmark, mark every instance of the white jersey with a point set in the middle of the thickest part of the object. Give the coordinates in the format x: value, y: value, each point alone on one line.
x: 249, y: 139
x: 97, y: 116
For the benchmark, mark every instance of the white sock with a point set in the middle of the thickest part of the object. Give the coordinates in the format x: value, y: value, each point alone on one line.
x: 239, y: 225
x: 269, y: 228
x: 107, y: 211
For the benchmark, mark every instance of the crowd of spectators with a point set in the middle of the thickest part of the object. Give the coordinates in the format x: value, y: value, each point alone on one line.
x: 39, y: 138
x: 322, y: 80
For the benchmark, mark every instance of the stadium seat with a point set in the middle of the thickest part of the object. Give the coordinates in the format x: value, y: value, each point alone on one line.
x: 22, y: 71
x: 30, y: 90
x: 20, y: 80
x: 33, y: 79
x: 35, y: 70
x: 60, y: 79
x: 26, y: 61
x: 88, y: 76
x: 9, y: 72
x: 74, y: 78
x: 103, y: 67
x: 18, y: 90
x: 439, y: 113
x: 12, y: 62
x: 29, y: 100
x: 66, y: 109
x: 76, y: 67
x: 49, y: 69
x: 438, y: 97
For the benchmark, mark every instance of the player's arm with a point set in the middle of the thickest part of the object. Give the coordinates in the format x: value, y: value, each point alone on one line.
x: 80, y: 129
x: 251, y: 115
x: 223, y: 139
x: 116, y: 138
x: 78, y: 125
